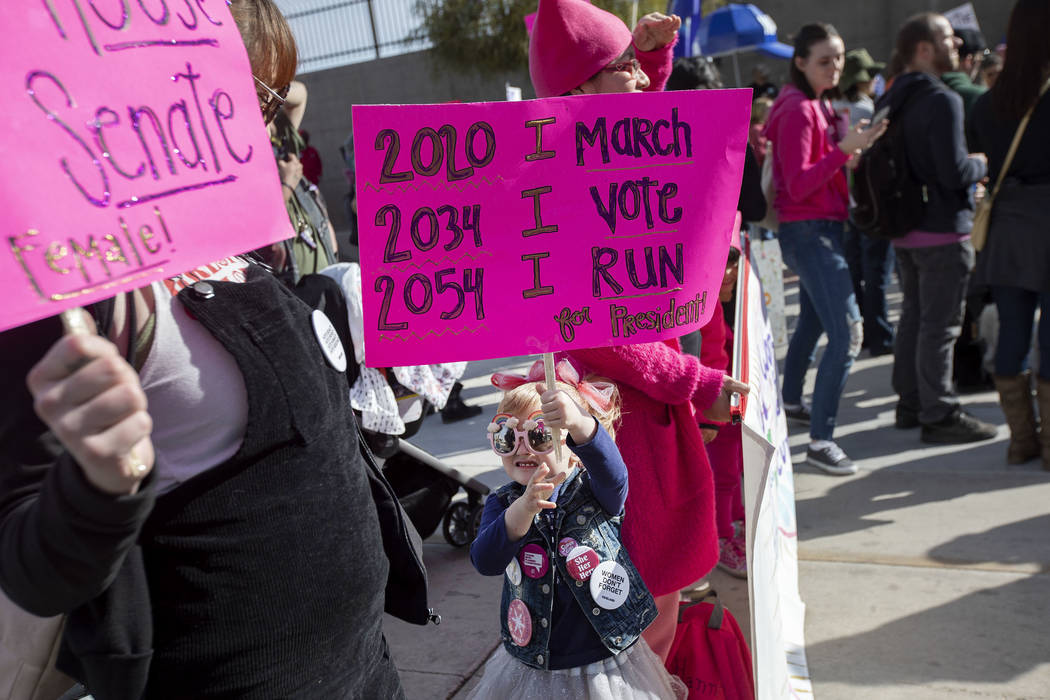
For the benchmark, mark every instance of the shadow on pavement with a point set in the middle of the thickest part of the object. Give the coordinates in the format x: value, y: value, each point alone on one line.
x: 970, y: 641
x: 1013, y: 544
x: 854, y: 504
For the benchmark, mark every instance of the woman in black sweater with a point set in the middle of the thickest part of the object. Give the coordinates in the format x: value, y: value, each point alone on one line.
x: 1016, y: 260
x: 253, y: 568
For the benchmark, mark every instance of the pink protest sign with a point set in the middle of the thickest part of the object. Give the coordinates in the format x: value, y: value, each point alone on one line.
x: 133, y: 149
x: 499, y: 229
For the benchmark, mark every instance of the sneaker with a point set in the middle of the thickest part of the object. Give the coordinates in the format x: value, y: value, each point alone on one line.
x: 698, y: 591
x: 831, y: 459
x: 732, y: 558
x: 906, y: 417
x: 797, y: 412
x: 958, y: 427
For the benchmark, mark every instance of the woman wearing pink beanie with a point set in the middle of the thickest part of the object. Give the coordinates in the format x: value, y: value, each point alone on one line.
x: 579, y: 49
x: 669, y: 526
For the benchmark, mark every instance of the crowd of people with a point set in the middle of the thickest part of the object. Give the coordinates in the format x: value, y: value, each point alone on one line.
x: 188, y: 486
x: 942, y: 108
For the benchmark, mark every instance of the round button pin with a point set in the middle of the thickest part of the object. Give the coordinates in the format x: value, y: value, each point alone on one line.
x: 610, y: 585
x: 566, y: 545
x: 533, y: 560
x: 328, y: 339
x: 514, y: 572
x: 581, y: 563
x: 519, y: 623
x: 203, y: 290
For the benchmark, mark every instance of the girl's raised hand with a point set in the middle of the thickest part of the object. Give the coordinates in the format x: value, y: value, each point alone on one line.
x: 518, y: 517
x: 539, y: 489
x: 560, y: 411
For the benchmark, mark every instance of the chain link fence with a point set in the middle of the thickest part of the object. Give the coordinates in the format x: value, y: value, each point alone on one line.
x: 333, y: 33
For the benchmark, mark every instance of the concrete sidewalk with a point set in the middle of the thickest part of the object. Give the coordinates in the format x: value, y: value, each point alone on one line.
x: 926, y: 575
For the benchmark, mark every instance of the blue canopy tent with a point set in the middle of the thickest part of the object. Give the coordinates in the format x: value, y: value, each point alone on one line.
x: 734, y: 29
x: 689, y: 11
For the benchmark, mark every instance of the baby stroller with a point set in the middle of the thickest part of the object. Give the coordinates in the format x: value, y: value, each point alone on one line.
x: 425, y: 486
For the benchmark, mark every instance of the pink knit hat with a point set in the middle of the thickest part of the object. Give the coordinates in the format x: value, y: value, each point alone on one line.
x: 571, y: 41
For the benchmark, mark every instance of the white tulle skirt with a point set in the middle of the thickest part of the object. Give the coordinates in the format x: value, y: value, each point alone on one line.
x: 633, y: 674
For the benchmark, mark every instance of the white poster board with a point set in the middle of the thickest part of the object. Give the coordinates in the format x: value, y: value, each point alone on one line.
x: 963, y: 17
x: 777, y: 611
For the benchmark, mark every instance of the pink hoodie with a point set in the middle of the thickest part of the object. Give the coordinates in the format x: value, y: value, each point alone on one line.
x: 807, y: 162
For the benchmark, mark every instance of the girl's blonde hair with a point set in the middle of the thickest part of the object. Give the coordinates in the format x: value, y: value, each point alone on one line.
x: 526, y: 398
x: 760, y: 110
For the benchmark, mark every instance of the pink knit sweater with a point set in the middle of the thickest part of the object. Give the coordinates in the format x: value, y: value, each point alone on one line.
x: 807, y: 162
x: 657, y: 65
x: 669, y: 528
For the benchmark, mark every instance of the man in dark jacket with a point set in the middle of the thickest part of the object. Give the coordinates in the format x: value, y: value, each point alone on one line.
x: 935, y: 260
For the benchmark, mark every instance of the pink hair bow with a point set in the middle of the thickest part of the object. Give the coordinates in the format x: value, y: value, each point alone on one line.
x: 597, y: 394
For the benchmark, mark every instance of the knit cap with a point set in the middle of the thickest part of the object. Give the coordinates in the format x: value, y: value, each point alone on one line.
x: 571, y: 41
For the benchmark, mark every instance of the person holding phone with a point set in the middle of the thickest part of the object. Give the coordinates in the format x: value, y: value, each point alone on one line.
x: 811, y: 148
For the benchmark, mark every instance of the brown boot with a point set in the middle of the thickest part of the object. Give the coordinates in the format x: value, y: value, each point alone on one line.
x: 1042, y: 395
x: 1015, y: 396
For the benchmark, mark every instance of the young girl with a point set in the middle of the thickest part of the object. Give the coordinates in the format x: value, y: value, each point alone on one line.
x: 723, y: 442
x: 669, y: 529
x: 574, y: 606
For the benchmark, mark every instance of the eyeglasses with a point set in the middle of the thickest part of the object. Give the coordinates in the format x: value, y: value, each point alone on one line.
x: 632, y: 66
x: 504, y: 435
x: 270, y: 100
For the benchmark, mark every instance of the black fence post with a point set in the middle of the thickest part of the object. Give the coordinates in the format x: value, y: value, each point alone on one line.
x: 372, y: 21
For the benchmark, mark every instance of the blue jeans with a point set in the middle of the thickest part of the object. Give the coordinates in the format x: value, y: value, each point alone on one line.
x: 813, y: 249
x: 871, y: 263
x: 1016, y: 312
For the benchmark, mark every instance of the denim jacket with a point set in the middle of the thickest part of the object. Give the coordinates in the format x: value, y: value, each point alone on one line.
x: 580, y: 517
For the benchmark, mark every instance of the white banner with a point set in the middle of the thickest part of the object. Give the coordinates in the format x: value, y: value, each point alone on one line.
x: 777, y: 611
x: 768, y: 262
x: 963, y: 17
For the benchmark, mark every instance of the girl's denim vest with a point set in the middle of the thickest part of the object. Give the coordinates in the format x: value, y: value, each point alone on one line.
x: 580, y: 516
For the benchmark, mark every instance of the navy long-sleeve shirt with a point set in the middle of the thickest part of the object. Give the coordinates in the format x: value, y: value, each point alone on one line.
x: 573, y: 642
x: 937, y: 150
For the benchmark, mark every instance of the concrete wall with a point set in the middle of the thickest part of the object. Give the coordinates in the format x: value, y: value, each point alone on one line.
x: 405, y: 79
x: 411, y: 78
x: 871, y: 24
